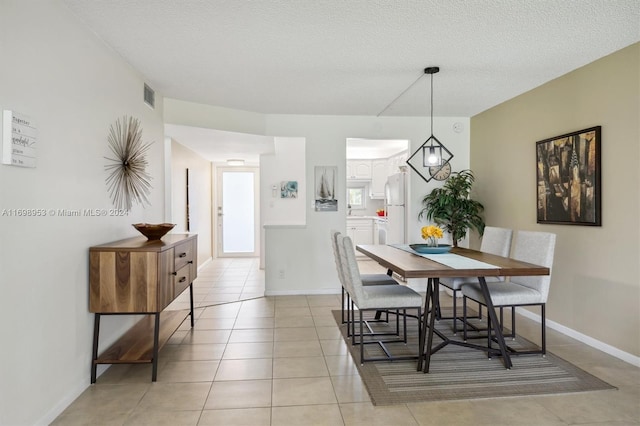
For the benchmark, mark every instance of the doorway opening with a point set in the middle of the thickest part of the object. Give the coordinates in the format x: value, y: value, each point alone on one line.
x: 237, y: 212
x: 377, y: 184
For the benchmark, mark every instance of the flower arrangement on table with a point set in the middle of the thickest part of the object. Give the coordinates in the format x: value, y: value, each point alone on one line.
x: 431, y: 234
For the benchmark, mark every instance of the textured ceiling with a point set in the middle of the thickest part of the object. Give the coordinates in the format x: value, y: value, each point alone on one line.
x: 354, y: 57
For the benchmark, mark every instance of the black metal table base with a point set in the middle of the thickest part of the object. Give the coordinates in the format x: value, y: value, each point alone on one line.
x: 428, y: 328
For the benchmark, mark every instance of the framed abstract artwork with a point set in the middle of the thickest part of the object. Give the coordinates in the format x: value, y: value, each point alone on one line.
x: 289, y: 189
x: 568, y: 178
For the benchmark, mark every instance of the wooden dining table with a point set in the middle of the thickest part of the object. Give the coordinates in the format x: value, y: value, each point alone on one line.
x: 408, y: 264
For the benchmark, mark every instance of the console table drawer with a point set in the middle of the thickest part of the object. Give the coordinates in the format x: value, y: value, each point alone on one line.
x: 184, y: 254
x: 182, y: 280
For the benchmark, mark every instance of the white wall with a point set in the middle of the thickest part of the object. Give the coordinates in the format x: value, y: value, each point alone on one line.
x: 64, y: 78
x: 200, y: 202
x: 287, y: 163
x: 304, y: 253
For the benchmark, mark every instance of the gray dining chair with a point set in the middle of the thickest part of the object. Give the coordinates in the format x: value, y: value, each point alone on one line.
x: 379, y: 297
x: 367, y: 279
x: 532, y: 247
x: 495, y: 241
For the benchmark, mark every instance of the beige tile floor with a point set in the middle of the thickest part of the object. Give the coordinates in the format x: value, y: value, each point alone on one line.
x: 253, y: 360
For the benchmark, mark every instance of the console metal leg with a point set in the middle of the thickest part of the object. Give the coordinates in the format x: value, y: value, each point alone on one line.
x: 191, y: 302
x: 94, y: 357
x: 156, y: 332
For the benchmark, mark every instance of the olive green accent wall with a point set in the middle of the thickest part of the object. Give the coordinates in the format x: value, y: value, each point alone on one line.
x: 595, y: 287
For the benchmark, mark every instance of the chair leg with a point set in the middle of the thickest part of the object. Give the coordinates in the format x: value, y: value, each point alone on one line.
x: 489, y: 336
x: 343, y: 305
x: 464, y: 318
x: 361, y: 339
x: 404, y: 319
x: 420, y: 337
x: 455, y: 312
x: 454, y: 315
x: 349, y: 316
x: 353, y: 325
x: 544, y: 331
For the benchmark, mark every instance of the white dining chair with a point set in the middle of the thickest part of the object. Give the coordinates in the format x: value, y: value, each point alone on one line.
x: 379, y: 297
x: 367, y: 279
x: 495, y: 241
x: 532, y: 247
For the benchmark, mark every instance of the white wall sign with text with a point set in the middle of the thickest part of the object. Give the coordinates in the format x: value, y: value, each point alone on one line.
x: 19, y: 139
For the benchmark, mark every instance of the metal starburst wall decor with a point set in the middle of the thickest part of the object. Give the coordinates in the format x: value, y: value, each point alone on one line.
x: 128, y: 180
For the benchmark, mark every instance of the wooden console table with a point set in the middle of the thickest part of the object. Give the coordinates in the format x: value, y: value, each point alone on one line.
x: 137, y: 276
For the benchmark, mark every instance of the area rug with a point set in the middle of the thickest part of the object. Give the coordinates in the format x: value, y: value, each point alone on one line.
x: 458, y: 372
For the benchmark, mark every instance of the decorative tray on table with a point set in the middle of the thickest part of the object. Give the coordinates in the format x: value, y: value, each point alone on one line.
x: 427, y: 249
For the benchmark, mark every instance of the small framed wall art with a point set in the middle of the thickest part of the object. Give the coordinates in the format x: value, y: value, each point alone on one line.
x: 568, y: 178
x: 19, y: 139
x: 289, y: 189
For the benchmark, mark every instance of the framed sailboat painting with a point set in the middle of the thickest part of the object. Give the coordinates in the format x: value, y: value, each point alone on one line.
x: 325, y: 188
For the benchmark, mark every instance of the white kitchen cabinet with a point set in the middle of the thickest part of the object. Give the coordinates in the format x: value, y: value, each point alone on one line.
x: 379, y: 174
x: 394, y: 163
x: 360, y: 231
x: 359, y: 169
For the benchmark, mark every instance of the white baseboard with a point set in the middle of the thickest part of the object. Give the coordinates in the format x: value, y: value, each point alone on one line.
x: 597, y: 344
x: 204, y: 265
x: 61, y: 405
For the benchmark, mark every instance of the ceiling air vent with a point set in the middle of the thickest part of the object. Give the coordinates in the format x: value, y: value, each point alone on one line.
x: 149, y: 96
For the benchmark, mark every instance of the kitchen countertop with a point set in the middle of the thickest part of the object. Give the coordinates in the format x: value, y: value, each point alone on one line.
x: 366, y: 217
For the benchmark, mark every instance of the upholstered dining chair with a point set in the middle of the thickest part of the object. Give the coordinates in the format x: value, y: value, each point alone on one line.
x: 367, y: 279
x: 532, y: 247
x: 495, y: 241
x: 378, y: 297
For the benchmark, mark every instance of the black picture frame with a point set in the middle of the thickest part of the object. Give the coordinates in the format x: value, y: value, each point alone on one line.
x: 568, y: 178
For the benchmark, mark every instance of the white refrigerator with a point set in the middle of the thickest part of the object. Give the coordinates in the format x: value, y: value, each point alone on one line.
x: 395, y: 196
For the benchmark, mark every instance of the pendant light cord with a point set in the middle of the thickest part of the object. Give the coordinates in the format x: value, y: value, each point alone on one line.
x: 431, y: 105
x: 405, y: 91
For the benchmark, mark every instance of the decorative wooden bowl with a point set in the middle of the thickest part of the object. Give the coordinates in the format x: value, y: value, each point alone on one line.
x: 154, y: 231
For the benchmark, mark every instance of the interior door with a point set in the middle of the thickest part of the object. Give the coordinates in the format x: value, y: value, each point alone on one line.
x: 237, y: 212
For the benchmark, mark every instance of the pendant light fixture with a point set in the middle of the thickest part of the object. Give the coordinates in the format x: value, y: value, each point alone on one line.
x: 432, y: 152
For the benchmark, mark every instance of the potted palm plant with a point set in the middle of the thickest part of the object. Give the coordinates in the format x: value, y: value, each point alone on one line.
x: 451, y: 207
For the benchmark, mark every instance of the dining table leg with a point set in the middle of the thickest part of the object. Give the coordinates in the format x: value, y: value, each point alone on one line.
x: 494, y: 320
x: 433, y: 286
x: 422, y: 356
